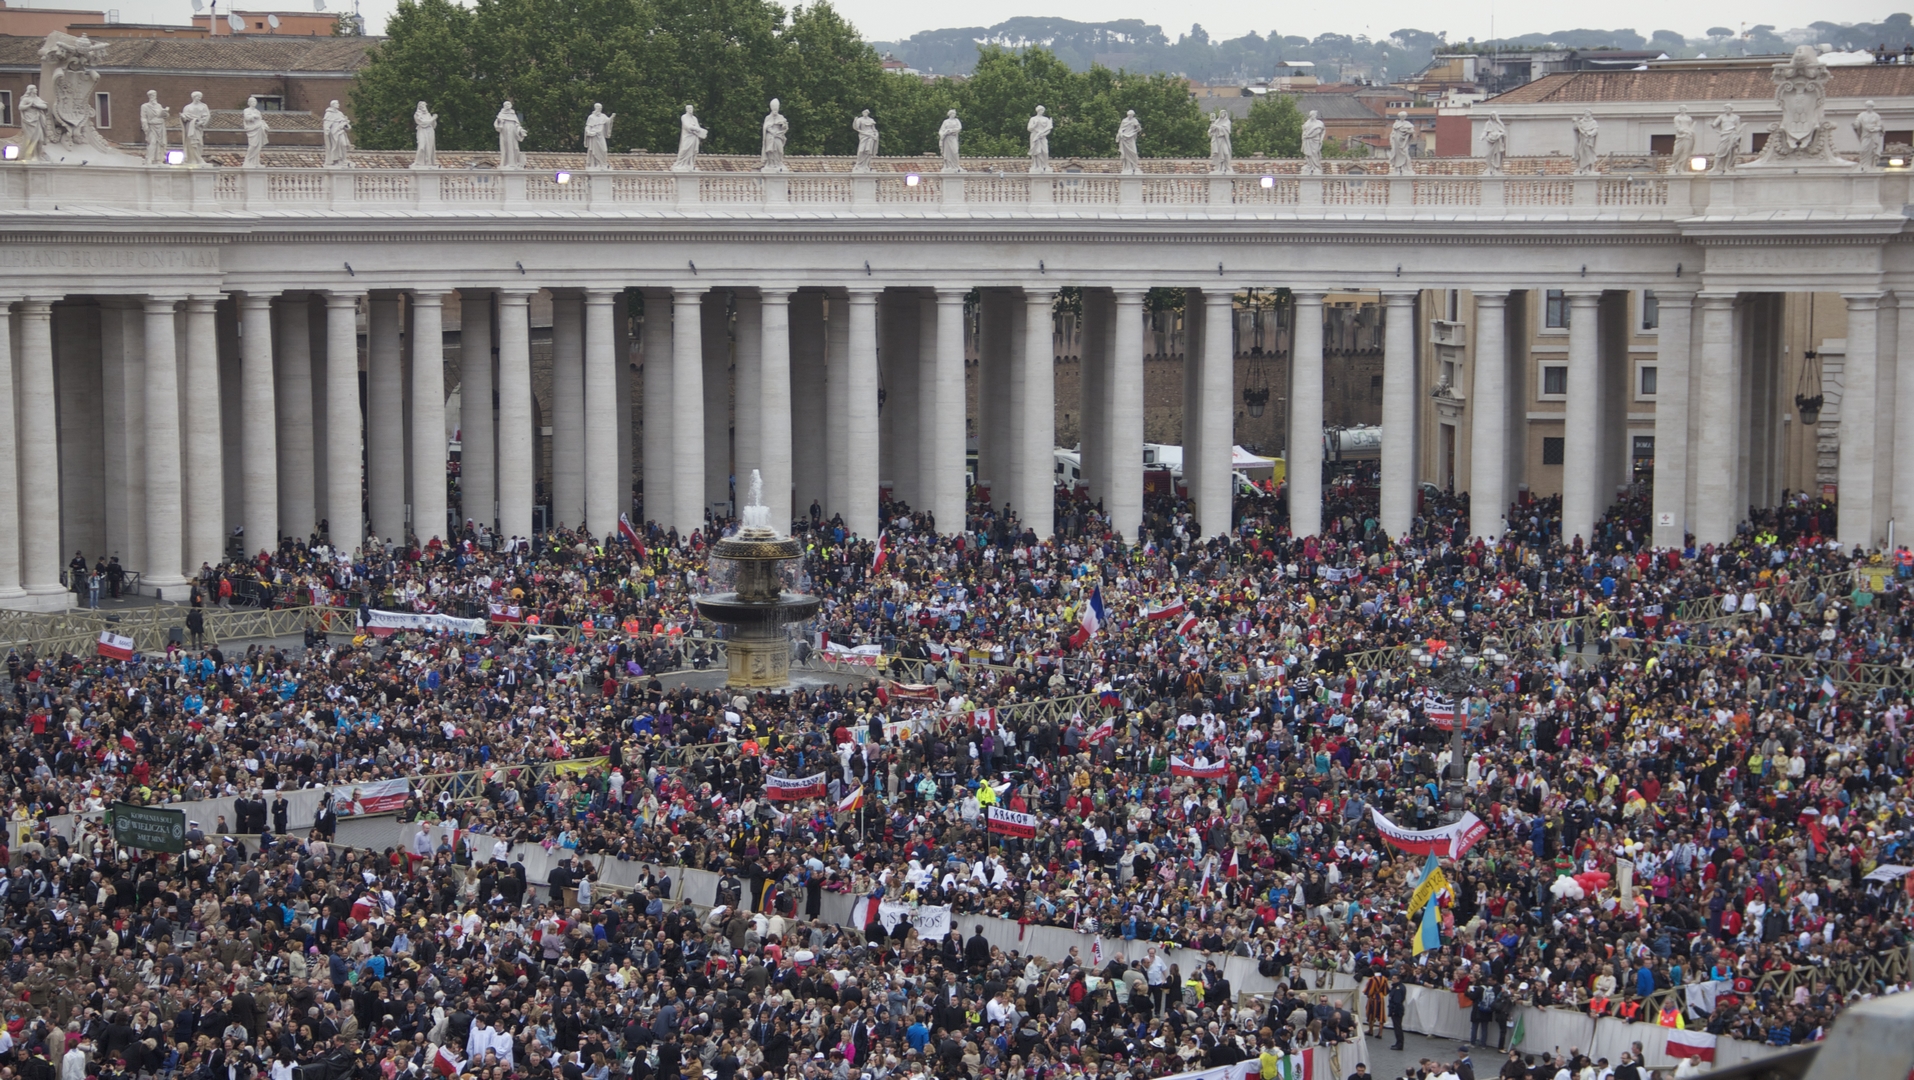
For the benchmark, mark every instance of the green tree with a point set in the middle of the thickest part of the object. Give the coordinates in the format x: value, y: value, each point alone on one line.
x: 1273, y: 128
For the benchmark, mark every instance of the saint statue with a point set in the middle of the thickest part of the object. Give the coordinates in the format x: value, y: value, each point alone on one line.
x: 1872, y: 132
x: 947, y: 134
x: 193, y: 119
x: 1313, y: 132
x: 338, y: 143
x: 691, y: 136
x: 425, y: 135
x: 1039, y: 127
x: 597, y: 131
x: 1727, y: 138
x: 254, y: 124
x: 1586, y: 132
x: 866, y: 129
x: 510, y: 133
x: 777, y: 127
x: 153, y: 128
x: 1127, y: 133
x: 1495, y: 145
x: 1219, y: 144
x: 1684, y: 149
x: 1401, y: 134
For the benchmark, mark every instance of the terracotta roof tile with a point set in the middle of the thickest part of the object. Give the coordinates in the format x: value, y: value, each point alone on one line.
x: 241, y: 53
x: 1700, y: 85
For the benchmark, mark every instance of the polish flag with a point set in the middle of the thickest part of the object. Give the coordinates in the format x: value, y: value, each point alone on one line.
x: 852, y: 801
x: 1101, y: 732
x: 1698, y: 1045
x: 115, y: 646
x: 1167, y: 611
x: 445, y: 1062
x: 1186, y: 626
x: 1205, y: 771
x: 1233, y: 868
x: 1009, y: 822
x: 883, y: 553
x: 630, y: 534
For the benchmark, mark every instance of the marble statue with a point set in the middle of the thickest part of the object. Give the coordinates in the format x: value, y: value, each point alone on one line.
x: 254, y: 123
x: 1127, y: 133
x: 1219, y: 144
x: 1495, y: 145
x: 1587, y: 131
x: 866, y: 129
x: 1803, y: 135
x: 1872, y: 132
x: 947, y: 134
x: 425, y: 135
x: 1727, y: 138
x: 1314, y: 131
x: 33, y: 124
x: 1684, y: 149
x: 1039, y: 127
x: 777, y: 128
x: 153, y: 128
x: 1401, y: 134
x: 691, y: 136
x: 511, y: 131
x: 194, y: 117
x: 67, y: 71
x: 336, y: 127
x: 597, y: 130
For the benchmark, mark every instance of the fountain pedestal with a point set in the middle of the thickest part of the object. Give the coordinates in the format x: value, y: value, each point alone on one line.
x: 756, y: 609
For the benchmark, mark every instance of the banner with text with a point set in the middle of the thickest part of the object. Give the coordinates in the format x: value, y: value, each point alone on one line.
x: 794, y: 788
x: 1449, y: 841
x: 1010, y: 822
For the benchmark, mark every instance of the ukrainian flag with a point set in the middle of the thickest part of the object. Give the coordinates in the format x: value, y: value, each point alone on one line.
x: 1429, y: 936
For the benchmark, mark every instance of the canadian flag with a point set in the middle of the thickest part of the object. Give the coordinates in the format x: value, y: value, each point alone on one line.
x: 115, y: 646
x: 1698, y: 1045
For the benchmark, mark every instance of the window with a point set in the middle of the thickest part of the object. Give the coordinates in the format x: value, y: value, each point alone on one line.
x: 6, y: 108
x: 272, y: 103
x: 1648, y: 373
x: 1555, y: 380
x: 103, y: 104
x: 1760, y: 142
x: 1555, y: 310
x: 1897, y: 138
x: 1661, y: 144
x: 1552, y: 449
x: 1651, y: 310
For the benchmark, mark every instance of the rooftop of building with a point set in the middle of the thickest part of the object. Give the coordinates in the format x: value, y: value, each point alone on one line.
x: 1752, y: 82
x: 243, y: 52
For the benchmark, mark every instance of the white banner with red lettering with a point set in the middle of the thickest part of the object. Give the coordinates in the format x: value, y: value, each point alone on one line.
x: 372, y: 797
x: 794, y: 788
x: 1202, y: 769
x: 1010, y: 823
x: 1449, y: 841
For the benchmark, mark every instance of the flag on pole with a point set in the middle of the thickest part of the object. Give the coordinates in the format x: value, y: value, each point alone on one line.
x: 1429, y: 935
x: 1300, y: 1065
x: 1521, y: 1032
x: 1186, y: 625
x: 1232, y: 869
x: 1089, y: 619
x: 1109, y: 699
x: 1827, y: 687
x: 115, y: 646
x: 446, y: 1063
x: 1698, y: 1045
x: 1102, y: 731
x: 1157, y: 613
x: 883, y: 552
x: 852, y: 801
x: 1440, y: 713
x: 630, y: 534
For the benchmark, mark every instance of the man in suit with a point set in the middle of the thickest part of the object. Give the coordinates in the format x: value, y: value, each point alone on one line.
x: 977, y: 951
x: 1398, y: 1000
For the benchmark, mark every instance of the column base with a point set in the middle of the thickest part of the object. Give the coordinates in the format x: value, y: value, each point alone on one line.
x: 176, y: 589
x: 39, y: 598
x: 758, y: 660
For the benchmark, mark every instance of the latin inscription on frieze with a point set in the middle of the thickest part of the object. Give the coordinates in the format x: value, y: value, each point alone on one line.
x: 28, y: 257
x: 1732, y: 258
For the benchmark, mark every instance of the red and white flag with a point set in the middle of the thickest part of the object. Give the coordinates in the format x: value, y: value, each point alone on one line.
x: 1205, y: 771
x: 1171, y: 610
x: 1233, y: 868
x: 864, y: 912
x: 1010, y: 823
x: 115, y: 646
x: 630, y: 534
x: 1698, y: 1045
x: 1440, y: 713
x: 445, y: 1062
x: 883, y: 553
x: 1449, y: 841
x: 507, y: 613
x: 793, y: 788
x: 1186, y: 625
x: 851, y: 802
x: 1102, y: 731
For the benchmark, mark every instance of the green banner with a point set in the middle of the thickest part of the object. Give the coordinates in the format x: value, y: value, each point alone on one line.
x: 149, y: 828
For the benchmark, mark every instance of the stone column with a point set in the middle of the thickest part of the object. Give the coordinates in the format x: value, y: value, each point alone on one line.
x: 1903, y: 503
x: 1037, y: 418
x: 1194, y: 332
x: 859, y: 502
x: 773, y: 408
x: 385, y: 419
x: 478, y: 454
x: 1854, y: 520
x: 1674, y: 341
x: 715, y: 332
x: 123, y: 415
x: 1489, y: 417
x: 1125, y: 501
x: 1583, y: 498
x: 1762, y: 409
x: 516, y: 490
x: 1399, y: 394
x: 747, y: 392
x: 201, y: 453
x: 164, y: 537
x: 898, y: 426
x: 810, y: 468
x: 40, y: 560
x: 656, y: 412
x: 945, y: 461
x: 259, y: 465
x: 1093, y: 394
x: 622, y: 367
x: 568, y: 409
x: 345, y: 453
x: 292, y: 398
x: 1304, y: 462
x: 837, y: 380
x: 686, y: 450
x: 1715, y: 442
x: 1216, y: 438
x: 428, y: 416
x: 12, y: 595
x: 603, y: 502
x: 924, y: 407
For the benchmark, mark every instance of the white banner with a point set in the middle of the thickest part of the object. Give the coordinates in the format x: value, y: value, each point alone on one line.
x: 1449, y: 841
x: 932, y: 923
x: 372, y: 797
x: 388, y: 621
x: 1886, y: 873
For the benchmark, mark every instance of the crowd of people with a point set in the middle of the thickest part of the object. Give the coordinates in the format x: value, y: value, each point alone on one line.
x: 1681, y: 812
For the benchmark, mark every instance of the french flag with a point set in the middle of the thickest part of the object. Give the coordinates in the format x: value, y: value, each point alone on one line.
x: 1089, y: 620
x: 630, y: 534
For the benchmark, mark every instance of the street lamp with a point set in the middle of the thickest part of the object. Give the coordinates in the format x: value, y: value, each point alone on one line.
x: 1456, y: 675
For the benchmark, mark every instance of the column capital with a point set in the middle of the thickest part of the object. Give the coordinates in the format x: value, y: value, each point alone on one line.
x: 1219, y: 297
x: 1312, y: 297
x: 601, y: 295
x: 162, y: 303
x: 775, y: 294
x: 342, y: 298
x: 428, y: 297
x: 1130, y: 296
x: 37, y: 306
x: 862, y: 294
x: 1490, y: 297
x: 1399, y: 297
x: 516, y: 294
x: 1864, y: 300
x: 1679, y: 297
x: 950, y: 294
x: 1583, y: 297
x: 254, y: 299
x: 202, y: 303
x: 1717, y: 300
x: 683, y: 294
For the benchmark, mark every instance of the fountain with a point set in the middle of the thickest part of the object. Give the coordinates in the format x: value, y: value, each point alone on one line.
x: 755, y: 562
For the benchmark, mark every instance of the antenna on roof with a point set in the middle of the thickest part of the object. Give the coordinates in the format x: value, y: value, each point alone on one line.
x: 318, y: 5
x: 233, y: 20
x: 199, y: 5
x: 272, y: 21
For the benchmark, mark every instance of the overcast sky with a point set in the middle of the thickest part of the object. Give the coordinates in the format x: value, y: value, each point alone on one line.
x: 887, y: 20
